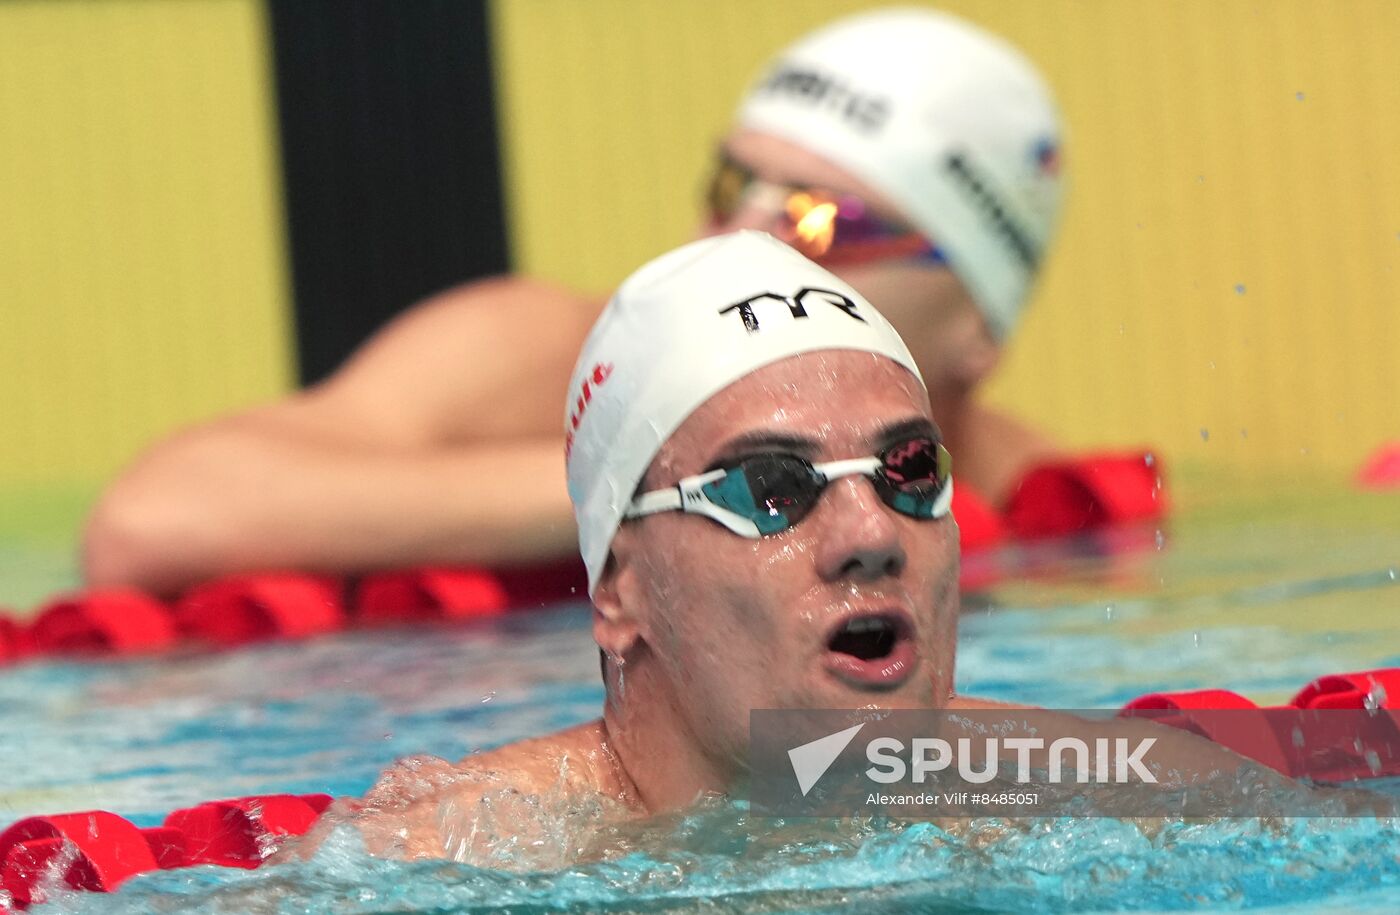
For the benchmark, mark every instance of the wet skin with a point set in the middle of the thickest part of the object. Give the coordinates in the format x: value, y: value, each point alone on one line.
x: 702, y: 625
x: 710, y: 625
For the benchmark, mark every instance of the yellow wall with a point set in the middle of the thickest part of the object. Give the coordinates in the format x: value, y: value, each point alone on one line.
x: 1211, y: 145
x: 142, y: 272
x: 142, y: 266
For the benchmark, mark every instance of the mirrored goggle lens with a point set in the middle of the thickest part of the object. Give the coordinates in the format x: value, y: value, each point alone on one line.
x: 725, y: 194
x: 777, y: 491
x: 841, y: 228
x: 773, y: 491
x: 913, y: 475
x: 823, y: 226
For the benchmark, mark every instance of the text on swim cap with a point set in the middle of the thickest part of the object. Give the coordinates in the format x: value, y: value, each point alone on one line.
x: 591, y: 382
x: 867, y: 113
x: 795, y: 304
x: 979, y: 188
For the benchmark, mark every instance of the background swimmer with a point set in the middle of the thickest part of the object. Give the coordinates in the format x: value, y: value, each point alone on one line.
x: 396, y: 459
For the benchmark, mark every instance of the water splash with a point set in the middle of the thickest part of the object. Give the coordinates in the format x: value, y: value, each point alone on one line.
x: 718, y: 858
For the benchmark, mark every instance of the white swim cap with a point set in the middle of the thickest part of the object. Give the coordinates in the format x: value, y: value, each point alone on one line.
x: 950, y: 122
x: 676, y: 333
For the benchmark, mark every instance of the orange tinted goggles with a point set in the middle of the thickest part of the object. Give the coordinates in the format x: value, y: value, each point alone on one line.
x: 827, y: 227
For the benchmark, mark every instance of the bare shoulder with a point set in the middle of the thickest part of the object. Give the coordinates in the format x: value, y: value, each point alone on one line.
x: 577, y: 757
x: 486, y: 360
x: 973, y: 704
x: 481, y: 808
x: 502, y: 302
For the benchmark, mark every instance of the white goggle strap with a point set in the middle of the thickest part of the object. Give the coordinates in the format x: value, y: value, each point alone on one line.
x: 687, y: 496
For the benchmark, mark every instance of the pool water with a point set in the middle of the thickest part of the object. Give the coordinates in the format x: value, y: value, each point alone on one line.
x: 1258, y: 604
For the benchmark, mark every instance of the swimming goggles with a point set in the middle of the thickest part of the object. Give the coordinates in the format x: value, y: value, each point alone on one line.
x: 827, y: 227
x: 769, y: 493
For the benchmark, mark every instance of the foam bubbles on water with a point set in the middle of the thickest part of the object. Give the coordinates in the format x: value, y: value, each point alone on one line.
x: 717, y: 857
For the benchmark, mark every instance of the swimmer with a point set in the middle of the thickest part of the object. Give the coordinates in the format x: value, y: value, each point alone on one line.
x: 762, y: 497
x: 911, y: 151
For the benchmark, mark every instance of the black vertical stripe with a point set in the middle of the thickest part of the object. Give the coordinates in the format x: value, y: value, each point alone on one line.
x: 390, y: 160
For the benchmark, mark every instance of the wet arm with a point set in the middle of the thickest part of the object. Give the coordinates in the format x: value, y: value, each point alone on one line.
x: 435, y: 443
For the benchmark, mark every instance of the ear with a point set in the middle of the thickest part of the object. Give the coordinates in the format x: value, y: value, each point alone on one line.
x: 616, y: 628
x: 980, y: 352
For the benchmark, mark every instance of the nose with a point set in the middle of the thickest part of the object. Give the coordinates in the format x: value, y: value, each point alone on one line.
x: 751, y: 216
x: 860, y: 539
x: 761, y: 209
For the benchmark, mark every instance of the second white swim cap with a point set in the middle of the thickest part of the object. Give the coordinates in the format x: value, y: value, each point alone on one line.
x: 950, y: 122
x: 676, y: 333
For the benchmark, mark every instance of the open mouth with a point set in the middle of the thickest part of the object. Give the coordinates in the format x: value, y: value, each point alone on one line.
x: 868, y: 638
x: 875, y: 650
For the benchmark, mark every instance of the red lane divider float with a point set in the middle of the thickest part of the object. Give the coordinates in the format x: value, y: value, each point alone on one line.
x: 1369, y: 689
x: 1313, y: 736
x: 1086, y: 493
x: 1382, y: 468
x: 1069, y: 496
x: 98, y: 850
x: 242, y: 832
x: 1251, y: 736
x: 246, y: 608
x: 95, y: 850
x: 421, y: 595
x: 445, y: 593
x: 240, y: 609
x: 14, y: 638
x: 979, y: 525
x: 104, y: 621
x: 541, y: 584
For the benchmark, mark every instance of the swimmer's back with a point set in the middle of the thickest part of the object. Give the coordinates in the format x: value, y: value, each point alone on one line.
x: 484, y: 361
